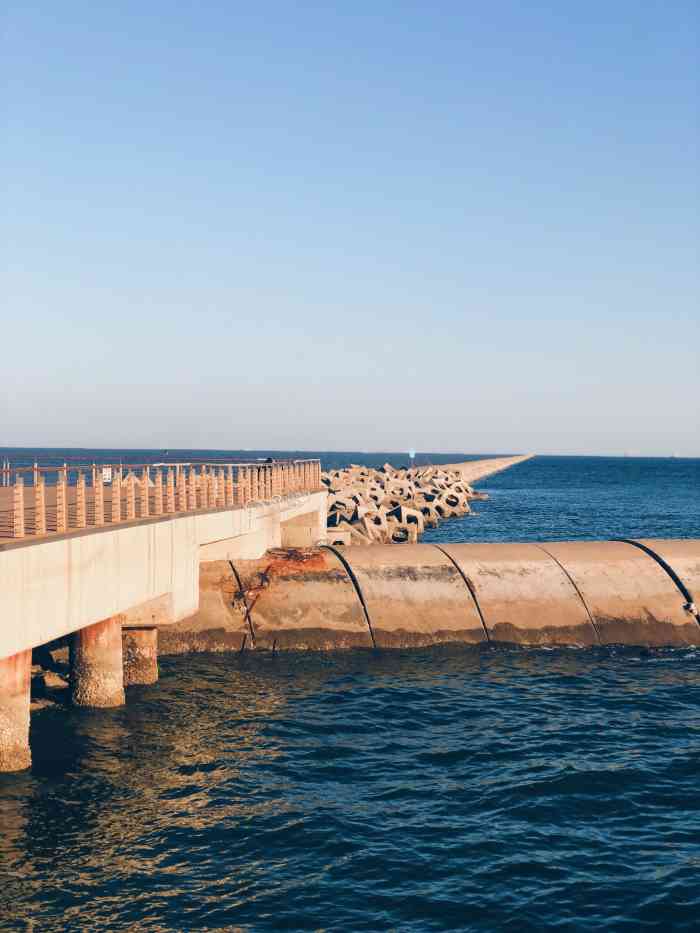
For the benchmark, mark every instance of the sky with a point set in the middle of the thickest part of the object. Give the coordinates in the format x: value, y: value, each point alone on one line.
x: 447, y: 226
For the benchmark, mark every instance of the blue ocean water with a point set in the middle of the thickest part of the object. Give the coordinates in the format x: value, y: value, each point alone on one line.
x: 565, y: 498
x: 450, y: 788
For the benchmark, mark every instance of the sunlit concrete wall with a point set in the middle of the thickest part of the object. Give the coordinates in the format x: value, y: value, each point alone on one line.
x: 56, y: 587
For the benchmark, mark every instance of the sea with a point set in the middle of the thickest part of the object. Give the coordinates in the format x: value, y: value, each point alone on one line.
x: 450, y: 788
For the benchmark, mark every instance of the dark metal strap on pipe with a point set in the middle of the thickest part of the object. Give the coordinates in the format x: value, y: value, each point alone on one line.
x: 469, y: 585
x: 578, y: 591
x: 690, y: 604
x: 245, y: 603
x: 358, y: 588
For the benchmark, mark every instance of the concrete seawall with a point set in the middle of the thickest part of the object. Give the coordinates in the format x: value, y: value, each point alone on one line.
x: 580, y: 593
x: 474, y: 470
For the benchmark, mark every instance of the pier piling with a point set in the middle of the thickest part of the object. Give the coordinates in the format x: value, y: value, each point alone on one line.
x: 97, y: 677
x: 140, y: 649
x: 15, y: 678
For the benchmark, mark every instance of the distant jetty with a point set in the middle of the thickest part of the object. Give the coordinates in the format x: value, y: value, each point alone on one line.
x: 394, y: 506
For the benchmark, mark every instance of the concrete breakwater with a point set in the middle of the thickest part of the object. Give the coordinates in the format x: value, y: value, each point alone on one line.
x: 576, y: 593
x: 394, y: 506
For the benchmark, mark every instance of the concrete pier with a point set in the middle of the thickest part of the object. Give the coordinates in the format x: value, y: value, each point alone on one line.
x: 15, y: 677
x: 140, y: 650
x: 97, y: 675
x: 80, y: 563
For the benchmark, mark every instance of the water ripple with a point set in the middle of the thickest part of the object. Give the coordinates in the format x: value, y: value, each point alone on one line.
x: 437, y: 789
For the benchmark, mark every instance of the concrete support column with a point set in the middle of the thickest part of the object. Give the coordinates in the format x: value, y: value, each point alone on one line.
x: 15, y: 677
x: 140, y: 649
x: 97, y: 677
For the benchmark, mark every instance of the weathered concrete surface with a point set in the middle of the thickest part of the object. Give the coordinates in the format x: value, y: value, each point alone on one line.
x: 524, y: 596
x: 140, y: 653
x: 15, y: 678
x: 631, y: 599
x: 259, y: 611
x: 97, y: 674
x: 217, y: 625
x: 414, y: 596
x: 52, y: 587
x: 326, y: 613
x: 563, y: 593
x: 152, y: 613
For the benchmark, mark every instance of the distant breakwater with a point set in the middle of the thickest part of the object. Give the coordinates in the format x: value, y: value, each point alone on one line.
x: 394, y: 506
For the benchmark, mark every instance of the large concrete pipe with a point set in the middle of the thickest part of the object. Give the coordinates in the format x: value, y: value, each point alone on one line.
x: 324, y: 612
x: 523, y: 595
x: 564, y: 593
x: 294, y: 599
x: 414, y: 595
x: 631, y: 598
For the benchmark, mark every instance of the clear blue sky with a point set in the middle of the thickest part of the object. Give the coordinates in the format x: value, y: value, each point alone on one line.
x: 368, y: 225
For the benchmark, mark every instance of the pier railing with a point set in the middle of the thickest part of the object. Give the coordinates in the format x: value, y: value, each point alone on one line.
x: 37, y: 501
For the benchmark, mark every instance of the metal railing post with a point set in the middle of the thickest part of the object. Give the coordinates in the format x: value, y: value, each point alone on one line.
x: 98, y: 494
x: 116, y: 495
x: 181, y: 492
x: 18, y: 507
x: 192, y: 490
x: 145, y: 492
x: 242, y: 489
x: 80, y: 512
x: 211, y: 487
x: 39, y: 505
x: 158, y: 492
x: 130, y: 496
x: 221, y: 488
x: 61, y: 502
x: 229, y: 486
x: 169, y: 491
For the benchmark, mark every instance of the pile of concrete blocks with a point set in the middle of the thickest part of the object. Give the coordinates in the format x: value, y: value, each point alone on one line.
x: 392, y: 506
